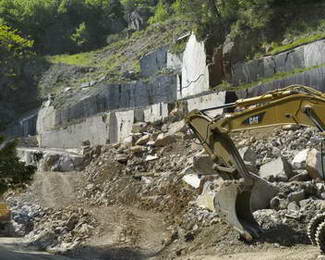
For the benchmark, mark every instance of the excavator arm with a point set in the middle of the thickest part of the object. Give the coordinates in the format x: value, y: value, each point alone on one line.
x: 295, y: 104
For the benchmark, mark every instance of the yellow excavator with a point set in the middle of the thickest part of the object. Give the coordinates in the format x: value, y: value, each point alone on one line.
x: 243, y: 191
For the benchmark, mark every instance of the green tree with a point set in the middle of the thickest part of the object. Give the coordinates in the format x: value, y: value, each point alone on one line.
x: 14, y: 50
x: 54, y: 25
x: 161, y: 13
x: 13, y: 173
x: 81, y: 36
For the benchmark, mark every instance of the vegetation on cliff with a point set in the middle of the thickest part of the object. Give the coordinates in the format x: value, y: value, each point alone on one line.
x: 71, y: 26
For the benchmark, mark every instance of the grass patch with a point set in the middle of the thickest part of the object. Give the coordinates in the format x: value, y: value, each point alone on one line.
x: 80, y: 59
x: 226, y: 86
x: 297, y: 43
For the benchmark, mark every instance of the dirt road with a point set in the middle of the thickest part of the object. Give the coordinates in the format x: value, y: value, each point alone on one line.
x: 12, y: 249
x: 55, y: 189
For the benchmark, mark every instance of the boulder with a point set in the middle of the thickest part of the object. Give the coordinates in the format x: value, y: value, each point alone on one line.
x: 299, y: 161
x: 122, y: 158
x: 206, y: 198
x: 276, y: 170
x: 143, y: 140
x: 293, y: 206
x: 176, y: 127
x: 165, y: 139
x: 296, y: 196
x: 315, y: 164
x: 192, y: 180
x: 248, y: 155
x: 128, y: 142
x: 139, y: 127
x: 138, y: 149
x: 278, y: 203
x: 61, y: 162
x: 203, y: 163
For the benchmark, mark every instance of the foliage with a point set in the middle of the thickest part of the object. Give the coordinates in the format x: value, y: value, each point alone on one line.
x: 81, y: 36
x: 131, y: 5
x: 12, y: 44
x: 13, y: 173
x: 80, y: 59
x: 161, y: 13
x: 64, y: 25
x: 297, y: 43
x: 14, y: 51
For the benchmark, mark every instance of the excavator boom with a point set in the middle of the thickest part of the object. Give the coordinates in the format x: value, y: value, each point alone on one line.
x: 295, y: 104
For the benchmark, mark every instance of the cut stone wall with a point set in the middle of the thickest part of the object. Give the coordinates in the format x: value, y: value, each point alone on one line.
x: 301, y: 57
x: 153, y: 62
x: 26, y: 126
x: 106, y: 98
x: 94, y: 129
x: 207, y: 101
x: 313, y: 78
x: 195, y: 73
x: 115, y: 126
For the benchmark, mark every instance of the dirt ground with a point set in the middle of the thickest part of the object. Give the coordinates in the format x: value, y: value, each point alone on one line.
x: 146, y: 232
x: 301, y: 252
x: 134, y: 223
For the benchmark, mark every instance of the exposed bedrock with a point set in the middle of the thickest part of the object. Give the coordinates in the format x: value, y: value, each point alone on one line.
x: 303, y: 57
x: 313, y: 78
x: 115, y: 126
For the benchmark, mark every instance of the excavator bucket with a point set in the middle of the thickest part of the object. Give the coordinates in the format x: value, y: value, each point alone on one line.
x: 235, y: 203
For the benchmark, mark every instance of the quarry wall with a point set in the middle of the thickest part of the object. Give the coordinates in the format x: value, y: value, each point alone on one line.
x: 105, y: 113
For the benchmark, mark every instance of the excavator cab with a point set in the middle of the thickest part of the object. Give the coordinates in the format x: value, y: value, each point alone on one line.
x: 242, y: 191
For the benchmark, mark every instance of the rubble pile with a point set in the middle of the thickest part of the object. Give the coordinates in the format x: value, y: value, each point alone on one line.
x: 61, y: 230
x: 160, y: 167
x: 25, y: 215
x: 50, y: 229
x: 146, y: 170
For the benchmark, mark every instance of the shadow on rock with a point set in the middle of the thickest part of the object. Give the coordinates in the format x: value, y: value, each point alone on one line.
x: 285, y: 236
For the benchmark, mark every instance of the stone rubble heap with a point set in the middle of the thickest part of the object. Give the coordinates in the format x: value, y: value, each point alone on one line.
x: 151, y: 163
x: 56, y: 230
x: 61, y: 230
x: 24, y: 216
x: 158, y: 168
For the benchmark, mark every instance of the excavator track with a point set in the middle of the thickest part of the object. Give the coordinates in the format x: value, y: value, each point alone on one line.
x: 320, y: 237
x: 313, y: 225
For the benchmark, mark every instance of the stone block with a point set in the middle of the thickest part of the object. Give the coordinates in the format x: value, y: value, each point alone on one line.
x: 207, y: 101
x: 299, y: 161
x: 143, y: 140
x: 276, y: 170
x: 155, y: 112
x: 312, y: 53
x: 195, y: 72
x: 164, y: 140
x: 153, y: 62
x: 203, y: 164
x: 315, y: 164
